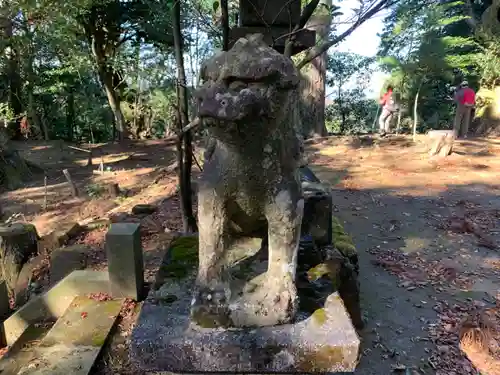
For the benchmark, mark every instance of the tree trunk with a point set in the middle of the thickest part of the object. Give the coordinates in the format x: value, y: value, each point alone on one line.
x: 415, y: 114
x: 114, y: 103
x: 33, y: 117
x: 341, y: 110
x: 314, y: 76
x: 12, y: 70
x: 225, y: 24
x: 106, y: 75
x: 188, y: 219
x: 70, y: 113
x: 398, y: 126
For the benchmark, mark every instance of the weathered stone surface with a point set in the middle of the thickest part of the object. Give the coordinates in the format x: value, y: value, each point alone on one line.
x: 91, y: 224
x: 143, y: 209
x: 125, y: 261
x: 22, y: 289
x: 65, y: 260
x: 317, y: 220
x: 74, y: 342
x: 250, y: 183
x: 442, y: 142
x: 307, y: 175
x: 18, y: 243
x: 60, y: 236
x: 165, y: 339
x: 164, y: 323
x: 52, y: 304
x: 275, y: 36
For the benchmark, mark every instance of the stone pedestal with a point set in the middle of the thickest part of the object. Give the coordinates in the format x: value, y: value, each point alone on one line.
x: 320, y: 339
x: 125, y: 263
x: 165, y: 339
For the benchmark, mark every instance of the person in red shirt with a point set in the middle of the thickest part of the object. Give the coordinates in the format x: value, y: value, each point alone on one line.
x: 465, y: 98
x: 389, y: 107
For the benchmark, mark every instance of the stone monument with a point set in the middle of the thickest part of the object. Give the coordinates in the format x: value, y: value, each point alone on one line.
x: 242, y: 311
x: 250, y: 183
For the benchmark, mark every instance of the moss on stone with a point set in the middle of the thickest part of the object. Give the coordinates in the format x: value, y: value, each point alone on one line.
x: 319, y: 316
x: 322, y: 360
x: 336, y: 221
x: 99, y: 339
x: 183, y: 257
x: 341, y: 240
x: 318, y: 271
x: 347, y: 249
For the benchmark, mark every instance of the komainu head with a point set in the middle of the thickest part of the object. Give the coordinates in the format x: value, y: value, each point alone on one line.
x: 249, y: 82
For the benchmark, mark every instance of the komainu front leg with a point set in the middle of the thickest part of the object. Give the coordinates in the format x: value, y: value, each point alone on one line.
x: 272, y: 298
x: 284, y: 217
x: 211, y: 297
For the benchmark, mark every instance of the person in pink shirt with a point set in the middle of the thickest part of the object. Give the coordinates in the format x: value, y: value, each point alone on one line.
x: 465, y: 98
x: 389, y: 108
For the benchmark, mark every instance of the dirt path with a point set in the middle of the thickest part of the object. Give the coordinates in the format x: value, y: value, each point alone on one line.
x: 136, y: 166
x: 410, y: 262
x: 420, y: 227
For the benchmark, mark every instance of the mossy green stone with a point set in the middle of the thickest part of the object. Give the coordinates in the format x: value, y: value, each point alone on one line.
x: 319, y: 316
x: 183, y: 257
x: 342, y: 238
x: 347, y: 249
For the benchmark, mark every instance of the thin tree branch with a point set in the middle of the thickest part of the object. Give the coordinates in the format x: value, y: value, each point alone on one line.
x: 188, y: 127
x: 281, y: 10
x: 225, y: 25
x: 304, y: 17
x: 315, y: 52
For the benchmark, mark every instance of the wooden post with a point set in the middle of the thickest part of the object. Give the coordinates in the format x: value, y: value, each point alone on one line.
x: 45, y: 193
x: 89, y: 162
x: 89, y: 152
x: 114, y: 190
x: 74, y: 190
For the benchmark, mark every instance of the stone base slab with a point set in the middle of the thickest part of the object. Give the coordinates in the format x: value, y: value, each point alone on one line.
x: 165, y: 340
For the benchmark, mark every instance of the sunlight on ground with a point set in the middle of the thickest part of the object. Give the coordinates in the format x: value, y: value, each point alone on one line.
x: 407, y: 169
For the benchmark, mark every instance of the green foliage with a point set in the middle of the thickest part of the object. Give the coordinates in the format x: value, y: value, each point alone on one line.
x: 183, y: 257
x: 94, y: 190
x: 430, y: 48
x: 61, y: 77
x: 349, y: 74
x: 354, y: 114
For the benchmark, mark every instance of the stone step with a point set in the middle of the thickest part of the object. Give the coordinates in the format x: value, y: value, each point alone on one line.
x: 74, y: 342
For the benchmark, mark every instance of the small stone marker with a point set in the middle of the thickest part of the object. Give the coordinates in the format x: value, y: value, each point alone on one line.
x: 65, y: 260
x: 74, y: 342
x: 4, y: 312
x: 125, y: 264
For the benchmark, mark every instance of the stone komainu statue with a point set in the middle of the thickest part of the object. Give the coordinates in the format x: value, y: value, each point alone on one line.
x: 250, y: 183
